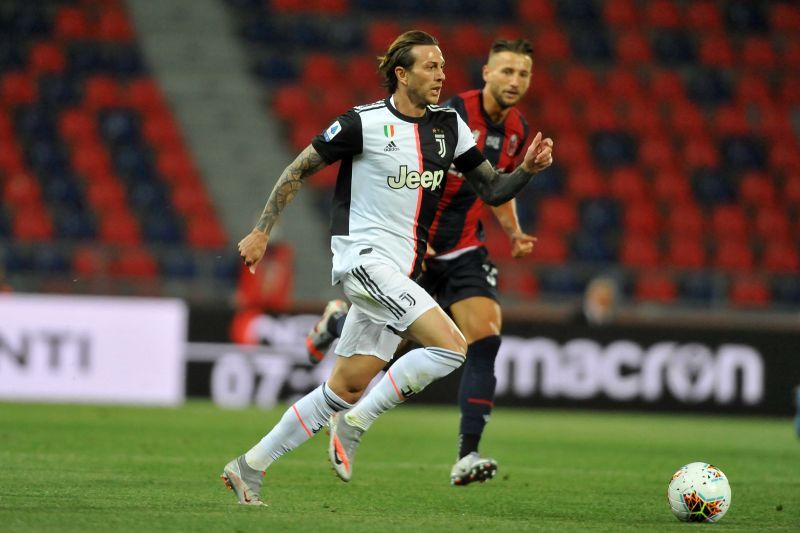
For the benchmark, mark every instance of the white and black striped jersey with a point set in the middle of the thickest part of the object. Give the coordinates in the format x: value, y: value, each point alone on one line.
x: 392, y: 175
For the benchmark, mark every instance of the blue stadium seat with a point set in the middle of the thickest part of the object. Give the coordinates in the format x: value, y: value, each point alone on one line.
x: 712, y: 186
x: 63, y: 190
x: 226, y: 266
x: 17, y: 259
x: 599, y: 216
x: 34, y: 122
x: 50, y: 260
x: 592, y: 248
x: 125, y: 61
x: 673, y: 47
x: 84, y: 58
x: 74, y: 224
x: 744, y: 16
x: 611, y: 149
x: 591, y: 47
x: 161, y: 227
x: 549, y: 182
x: 132, y: 163
x: 277, y: 69
x: 178, y: 264
x: 12, y: 56
x: 698, y: 287
x: 581, y: 12
x: 561, y: 281
x: 119, y: 126
x: 28, y: 19
x: 786, y: 291
x: 58, y: 90
x: 708, y: 86
x: 147, y: 196
x: 46, y: 157
x: 743, y: 153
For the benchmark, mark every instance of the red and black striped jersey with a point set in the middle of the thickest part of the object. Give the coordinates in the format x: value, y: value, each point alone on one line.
x: 457, y: 225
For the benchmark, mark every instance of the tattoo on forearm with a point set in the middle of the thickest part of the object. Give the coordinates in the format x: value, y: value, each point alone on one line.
x: 496, y: 188
x: 306, y: 164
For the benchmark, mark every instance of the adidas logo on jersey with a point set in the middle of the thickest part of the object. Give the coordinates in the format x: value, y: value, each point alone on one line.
x: 391, y: 147
x: 413, y: 179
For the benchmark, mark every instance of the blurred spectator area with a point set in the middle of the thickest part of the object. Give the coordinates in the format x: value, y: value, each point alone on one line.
x: 99, y: 193
x: 676, y: 127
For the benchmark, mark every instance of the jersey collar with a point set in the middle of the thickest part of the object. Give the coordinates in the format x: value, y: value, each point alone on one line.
x: 416, y: 120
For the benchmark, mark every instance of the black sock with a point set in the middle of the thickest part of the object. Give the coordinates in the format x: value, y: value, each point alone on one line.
x: 476, y: 393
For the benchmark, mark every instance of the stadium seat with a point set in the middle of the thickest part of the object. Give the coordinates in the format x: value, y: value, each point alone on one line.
x: 46, y: 58
x: 771, y: 222
x: 32, y: 224
x: 612, y: 149
x: 745, y: 17
x: 639, y: 251
x: 119, y: 227
x: 591, y: 47
x: 618, y: 13
x: 628, y: 185
x: 729, y: 220
x: 551, y: 44
x: 780, y: 256
x: 712, y: 186
x: 71, y: 23
x: 21, y: 190
x: 686, y: 220
x: 624, y: 84
x: 703, y: 16
x: 599, y: 114
x: 320, y: 71
x: 785, y: 291
x: 791, y: 190
x: 591, y: 248
x: 642, y: 217
x: 660, y: 14
x: 753, y: 88
x: 517, y: 280
x: 134, y: 262
x: 585, y: 182
x: 557, y: 215
x: 90, y: 261
x: 580, y: 83
x: 758, y: 54
x: 633, y: 48
x: 784, y: 155
x: 730, y: 121
x: 700, y: 152
x: 17, y: 88
x: 784, y: 17
x: 743, y: 152
x: 749, y: 291
x: 541, y: 12
x: 550, y: 247
x: 655, y: 287
x: 699, y: 287
x: 716, y: 51
x: 656, y: 153
x: 708, y: 86
x: 672, y: 48
x: 671, y: 187
x: 733, y: 254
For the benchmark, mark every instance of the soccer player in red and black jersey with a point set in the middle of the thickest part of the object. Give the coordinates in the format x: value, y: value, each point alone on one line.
x: 458, y: 272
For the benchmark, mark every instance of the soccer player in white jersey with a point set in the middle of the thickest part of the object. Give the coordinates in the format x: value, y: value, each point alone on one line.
x: 394, y: 157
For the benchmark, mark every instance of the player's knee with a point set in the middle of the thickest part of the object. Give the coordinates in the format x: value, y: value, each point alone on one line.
x: 349, y: 390
x: 456, y: 343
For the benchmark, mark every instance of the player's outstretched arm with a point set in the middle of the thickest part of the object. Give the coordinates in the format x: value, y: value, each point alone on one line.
x: 253, y: 246
x: 496, y: 188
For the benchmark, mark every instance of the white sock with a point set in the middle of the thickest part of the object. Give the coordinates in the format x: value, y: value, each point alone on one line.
x: 298, y: 424
x: 410, y: 374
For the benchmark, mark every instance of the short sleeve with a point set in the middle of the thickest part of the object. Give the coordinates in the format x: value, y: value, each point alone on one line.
x: 341, y: 139
x: 465, y: 138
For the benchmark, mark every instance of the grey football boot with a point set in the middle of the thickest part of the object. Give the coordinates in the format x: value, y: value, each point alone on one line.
x: 244, y: 481
x: 343, y: 445
x: 472, y: 467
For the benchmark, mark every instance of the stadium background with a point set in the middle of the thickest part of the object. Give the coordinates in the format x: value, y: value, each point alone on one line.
x: 138, y: 141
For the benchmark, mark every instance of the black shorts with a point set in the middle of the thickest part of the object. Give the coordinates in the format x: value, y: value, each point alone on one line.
x: 469, y: 274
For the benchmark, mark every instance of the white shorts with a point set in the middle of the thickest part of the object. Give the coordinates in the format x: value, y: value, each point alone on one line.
x: 381, y: 297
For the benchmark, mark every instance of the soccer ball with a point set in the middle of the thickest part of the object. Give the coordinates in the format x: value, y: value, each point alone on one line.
x: 699, y: 492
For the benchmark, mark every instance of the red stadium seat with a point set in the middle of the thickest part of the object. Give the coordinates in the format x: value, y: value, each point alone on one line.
x: 46, y: 58
x: 550, y: 44
x: 672, y: 187
x: 517, y: 280
x: 106, y: 196
x: 703, y: 16
x: 731, y: 120
x: 686, y: 119
x: 791, y: 189
x: 471, y: 40
x: 686, y: 220
x: 205, y: 232
x: 729, y: 220
x: 550, y: 248
x: 789, y: 91
x: 784, y: 154
x: 662, y: 14
x: 655, y: 287
x: 134, y: 262
x: 190, y: 200
x: 642, y: 218
x: 753, y: 88
x: 78, y: 126
x: 321, y: 71
x: 757, y: 189
x: 380, y: 35
x: 625, y: 84
x: 749, y: 292
x: 599, y: 114
x: 733, y: 254
x: 666, y: 86
x: 790, y: 58
x: 628, y: 184
x: 291, y: 101
x: 17, y: 88
x: 540, y: 12
x: 497, y: 241
x: 557, y: 115
x: 556, y: 216
x: 90, y: 261
x: 580, y: 82
x: 781, y: 257
x: 772, y: 223
x: 144, y: 95
x: 633, y: 48
x: 785, y: 17
x: 656, y: 153
x: 640, y: 251
x: 113, y: 25
x: 700, y: 152
x: 91, y: 160
x: 100, y: 92
x: 618, y: 13
x: 584, y: 181
x: 686, y: 252
x: 71, y: 23
x: 758, y: 54
x: 716, y: 50
x: 21, y: 190
x: 119, y: 227
x: 161, y: 132
x: 32, y: 223
x: 774, y: 121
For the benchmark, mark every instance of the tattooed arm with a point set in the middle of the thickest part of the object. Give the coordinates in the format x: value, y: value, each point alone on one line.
x: 496, y: 188
x: 253, y: 246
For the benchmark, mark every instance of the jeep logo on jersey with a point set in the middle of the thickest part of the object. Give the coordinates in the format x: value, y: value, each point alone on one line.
x: 412, y: 180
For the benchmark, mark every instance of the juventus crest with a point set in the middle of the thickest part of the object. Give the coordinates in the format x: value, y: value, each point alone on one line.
x: 442, y: 145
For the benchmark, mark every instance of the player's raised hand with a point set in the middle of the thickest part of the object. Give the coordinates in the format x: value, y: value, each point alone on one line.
x: 252, y: 248
x: 539, y: 155
x: 521, y: 244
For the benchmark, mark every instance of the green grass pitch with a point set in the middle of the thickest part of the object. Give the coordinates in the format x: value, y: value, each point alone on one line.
x: 89, y: 468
